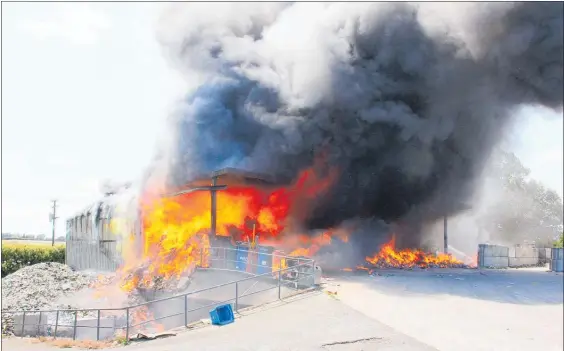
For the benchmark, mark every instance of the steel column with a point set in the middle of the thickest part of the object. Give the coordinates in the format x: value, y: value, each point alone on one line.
x: 445, y: 234
x: 213, y: 206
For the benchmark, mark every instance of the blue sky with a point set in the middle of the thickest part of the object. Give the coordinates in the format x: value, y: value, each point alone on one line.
x: 85, y: 94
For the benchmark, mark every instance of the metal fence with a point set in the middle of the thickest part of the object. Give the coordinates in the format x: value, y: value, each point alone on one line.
x: 178, y: 310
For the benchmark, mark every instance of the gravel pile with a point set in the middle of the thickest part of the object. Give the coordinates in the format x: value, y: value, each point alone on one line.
x: 39, y: 287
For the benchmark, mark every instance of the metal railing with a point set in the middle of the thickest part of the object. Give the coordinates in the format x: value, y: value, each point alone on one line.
x: 194, y: 305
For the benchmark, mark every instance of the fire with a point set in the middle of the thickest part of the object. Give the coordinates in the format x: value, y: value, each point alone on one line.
x: 176, y: 229
x: 389, y: 257
x: 141, y: 314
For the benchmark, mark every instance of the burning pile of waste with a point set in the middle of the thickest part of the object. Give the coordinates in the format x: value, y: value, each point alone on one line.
x: 387, y: 257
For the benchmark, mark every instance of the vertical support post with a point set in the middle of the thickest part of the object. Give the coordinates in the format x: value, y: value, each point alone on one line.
x: 39, y: 324
x: 279, y: 281
x: 298, y: 276
x: 185, y: 310
x: 23, y: 324
x: 98, y: 327
x: 74, y: 325
x: 127, y: 325
x: 236, y: 296
x: 56, y: 323
x: 213, y: 208
x: 445, y: 233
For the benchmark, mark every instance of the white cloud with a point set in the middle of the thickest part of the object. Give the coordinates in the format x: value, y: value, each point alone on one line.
x: 78, y: 22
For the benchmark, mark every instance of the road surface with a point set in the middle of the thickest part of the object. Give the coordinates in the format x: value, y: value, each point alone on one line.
x: 458, y: 310
x: 395, y: 310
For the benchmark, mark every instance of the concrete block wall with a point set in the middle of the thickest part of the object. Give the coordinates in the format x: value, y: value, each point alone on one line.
x: 493, y: 256
x: 497, y: 256
x: 85, y: 327
x: 523, y: 256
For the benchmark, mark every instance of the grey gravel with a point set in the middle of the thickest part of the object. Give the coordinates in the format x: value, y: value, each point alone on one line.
x: 39, y: 287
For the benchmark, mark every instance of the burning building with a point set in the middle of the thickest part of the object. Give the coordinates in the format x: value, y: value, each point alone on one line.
x: 370, y: 122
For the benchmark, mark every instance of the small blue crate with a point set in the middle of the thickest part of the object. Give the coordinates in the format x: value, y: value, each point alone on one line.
x: 222, y: 315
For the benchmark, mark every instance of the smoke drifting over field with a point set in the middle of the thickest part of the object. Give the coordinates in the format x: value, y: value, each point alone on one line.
x: 405, y: 100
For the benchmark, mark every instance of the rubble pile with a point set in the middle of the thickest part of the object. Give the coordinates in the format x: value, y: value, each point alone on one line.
x: 39, y: 287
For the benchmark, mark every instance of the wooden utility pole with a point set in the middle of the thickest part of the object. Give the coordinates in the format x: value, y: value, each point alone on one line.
x: 53, y: 217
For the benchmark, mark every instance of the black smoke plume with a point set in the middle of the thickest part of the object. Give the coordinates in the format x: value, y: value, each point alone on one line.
x: 406, y: 100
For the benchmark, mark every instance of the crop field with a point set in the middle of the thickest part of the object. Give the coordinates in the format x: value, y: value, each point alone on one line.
x: 28, y: 243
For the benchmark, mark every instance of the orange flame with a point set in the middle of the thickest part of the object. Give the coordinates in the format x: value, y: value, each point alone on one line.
x: 389, y: 257
x: 176, y: 229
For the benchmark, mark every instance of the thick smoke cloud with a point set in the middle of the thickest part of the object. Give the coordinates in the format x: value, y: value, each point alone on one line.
x: 406, y: 100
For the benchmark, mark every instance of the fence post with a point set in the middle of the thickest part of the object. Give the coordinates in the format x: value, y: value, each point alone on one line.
x: 279, y: 281
x: 74, y: 325
x: 98, y: 327
x: 39, y: 324
x: 236, y: 296
x: 186, y: 310
x: 127, y: 325
x: 56, y: 324
x: 312, y: 280
x: 23, y: 324
x: 298, y: 278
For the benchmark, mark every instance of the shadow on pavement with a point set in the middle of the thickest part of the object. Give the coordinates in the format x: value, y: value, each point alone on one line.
x: 513, y: 286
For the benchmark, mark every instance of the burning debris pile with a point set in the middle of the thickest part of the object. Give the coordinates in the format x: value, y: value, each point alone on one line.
x: 39, y: 286
x: 387, y: 257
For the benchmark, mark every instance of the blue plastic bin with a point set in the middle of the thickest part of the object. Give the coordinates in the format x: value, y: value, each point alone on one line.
x: 242, y: 257
x: 264, y: 259
x: 222, y: 315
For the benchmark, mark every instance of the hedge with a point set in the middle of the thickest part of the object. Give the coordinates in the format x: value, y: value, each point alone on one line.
x: 14, y: 258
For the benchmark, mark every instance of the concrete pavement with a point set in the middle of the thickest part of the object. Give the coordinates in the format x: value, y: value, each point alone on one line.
x: 312, y: 321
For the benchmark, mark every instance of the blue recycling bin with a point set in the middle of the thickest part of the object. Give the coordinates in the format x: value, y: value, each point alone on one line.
x: 222, y: 315
x: 264, y: 264
x: 242, y: 257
